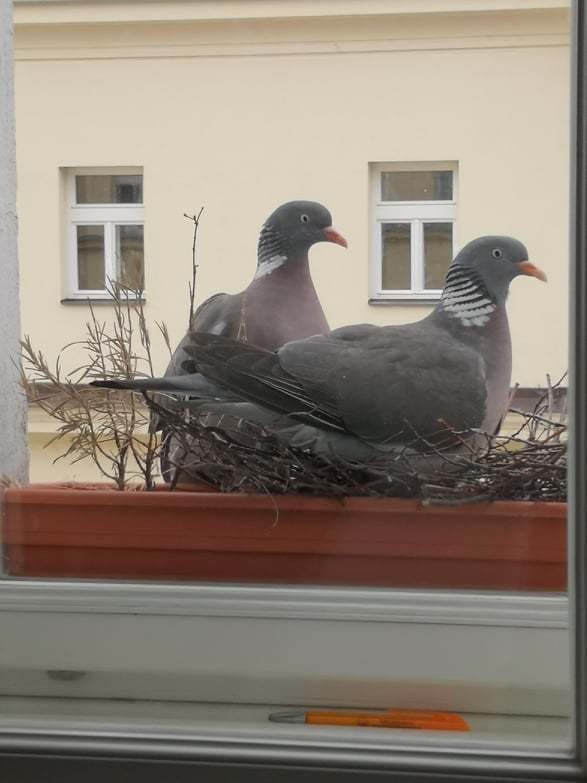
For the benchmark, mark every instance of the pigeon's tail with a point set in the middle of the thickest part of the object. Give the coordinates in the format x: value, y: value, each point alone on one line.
x: 138, y: 384
x: 179, y: 384
x: 256, y: 375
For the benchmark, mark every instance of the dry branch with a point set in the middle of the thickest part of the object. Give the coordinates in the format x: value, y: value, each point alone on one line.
x: 104, y: 427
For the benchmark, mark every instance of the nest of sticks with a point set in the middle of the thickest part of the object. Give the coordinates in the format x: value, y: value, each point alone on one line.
x: 528, y: 462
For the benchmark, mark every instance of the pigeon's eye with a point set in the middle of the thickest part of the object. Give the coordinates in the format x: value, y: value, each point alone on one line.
x: 497, y: 253
x: 304, y: 219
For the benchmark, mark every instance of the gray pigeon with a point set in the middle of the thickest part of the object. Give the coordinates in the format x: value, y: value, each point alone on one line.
x: 279, y: 304
x: 360, y: 390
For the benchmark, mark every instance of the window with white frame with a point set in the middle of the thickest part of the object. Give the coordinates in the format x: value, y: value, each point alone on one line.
x: 105, y: 241
x: 414, y: 210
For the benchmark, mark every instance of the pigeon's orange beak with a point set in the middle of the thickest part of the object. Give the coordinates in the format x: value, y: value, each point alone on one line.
x: 528, y: 268
x: 331, y: 235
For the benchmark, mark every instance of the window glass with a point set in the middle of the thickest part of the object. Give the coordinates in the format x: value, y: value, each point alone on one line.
x: 396, y: 241
x: 376, y: 519
x: 109, y: 189
x: 90, y: 257
x: 129, y: 244
x: 438, y: 253
x: 416, y: 186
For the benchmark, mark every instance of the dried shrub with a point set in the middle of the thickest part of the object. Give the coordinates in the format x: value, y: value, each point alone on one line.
x: 110, y: 428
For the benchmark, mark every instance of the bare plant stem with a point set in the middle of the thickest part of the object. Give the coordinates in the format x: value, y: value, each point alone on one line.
x: 192, y: 285
x: 104, y: 426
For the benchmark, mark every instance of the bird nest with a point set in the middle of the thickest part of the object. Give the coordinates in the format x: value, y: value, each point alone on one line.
x: 527, y: 462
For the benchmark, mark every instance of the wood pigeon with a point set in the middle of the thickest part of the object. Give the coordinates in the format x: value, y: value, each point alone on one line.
x: 359, y: 391
x: 279, y: 304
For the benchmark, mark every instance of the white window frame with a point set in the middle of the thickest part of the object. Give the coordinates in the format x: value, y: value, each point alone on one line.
x: 107, y: 215
x: 416, y: 213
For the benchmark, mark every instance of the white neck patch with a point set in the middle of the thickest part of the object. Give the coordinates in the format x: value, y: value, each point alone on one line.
x: 269, y: 266
x: 468, y: 303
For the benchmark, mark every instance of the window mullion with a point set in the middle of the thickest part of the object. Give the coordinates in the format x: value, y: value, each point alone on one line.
x: 73, y: 269
x: 110, y: 252
x: 417, y: 256
x: 378, y: 248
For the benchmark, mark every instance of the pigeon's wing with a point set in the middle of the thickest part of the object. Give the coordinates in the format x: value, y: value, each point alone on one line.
x: 215, y: 314
x: 259, y: 377
x: 374, y: 382
x: 320, y: 361
x: 411, y: 380
x: 314, y: 358
x: 318, y: 380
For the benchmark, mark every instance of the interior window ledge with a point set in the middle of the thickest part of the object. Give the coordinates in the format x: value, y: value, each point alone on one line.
x: 121, y: 726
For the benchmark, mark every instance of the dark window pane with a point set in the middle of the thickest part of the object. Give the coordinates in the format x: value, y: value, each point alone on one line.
x: 90, y: 258
x: 109, y: 189
x: 437, y: 253
x: 416, y: 186
x: 396, y: 256
x: 129, y: 256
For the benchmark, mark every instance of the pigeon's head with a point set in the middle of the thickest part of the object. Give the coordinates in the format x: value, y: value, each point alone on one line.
x: 495, y: 261
x: 294, y: 227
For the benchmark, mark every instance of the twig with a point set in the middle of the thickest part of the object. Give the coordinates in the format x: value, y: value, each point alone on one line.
x: 192, y: 285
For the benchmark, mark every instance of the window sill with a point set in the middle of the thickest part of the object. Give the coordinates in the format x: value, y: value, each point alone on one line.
x: 394, y: 301
x: 95, y: 301
x: 169, y: 728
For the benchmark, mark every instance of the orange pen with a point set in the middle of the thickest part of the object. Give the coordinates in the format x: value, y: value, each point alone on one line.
x: 391, y: 719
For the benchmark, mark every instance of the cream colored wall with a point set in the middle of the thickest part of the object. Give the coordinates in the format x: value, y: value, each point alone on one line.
x: 241, y: 116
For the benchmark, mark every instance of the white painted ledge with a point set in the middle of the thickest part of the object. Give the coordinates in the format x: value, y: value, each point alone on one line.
x: 247, y: 723
x: 520, y: 610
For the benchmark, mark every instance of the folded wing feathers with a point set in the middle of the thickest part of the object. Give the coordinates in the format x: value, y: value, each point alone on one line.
x: 258, y: 375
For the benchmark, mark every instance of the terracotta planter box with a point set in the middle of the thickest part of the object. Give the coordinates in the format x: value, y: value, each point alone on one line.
x: 207, y: 536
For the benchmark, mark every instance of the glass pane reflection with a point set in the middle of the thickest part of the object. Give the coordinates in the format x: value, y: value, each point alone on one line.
x: 109, y: 189
x: 416, y: 186
x: 90, y: 258
x: 437, y: 253
x: 129, y: 254
x: 396, y: 256
x: 411, y: 603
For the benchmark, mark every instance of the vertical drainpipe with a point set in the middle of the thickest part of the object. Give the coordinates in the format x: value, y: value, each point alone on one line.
x: 13, y: 411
